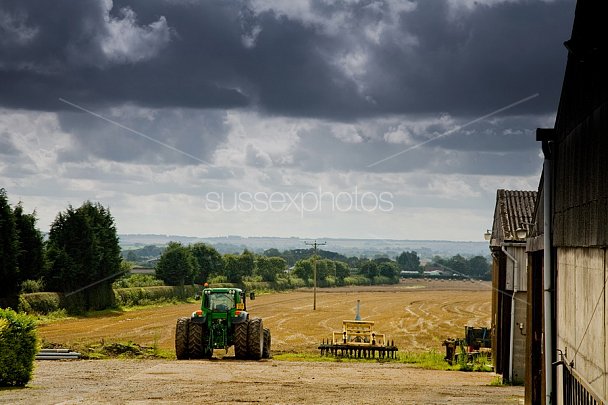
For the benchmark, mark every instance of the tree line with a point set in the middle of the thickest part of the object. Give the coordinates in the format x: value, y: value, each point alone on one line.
x: 80, y: 258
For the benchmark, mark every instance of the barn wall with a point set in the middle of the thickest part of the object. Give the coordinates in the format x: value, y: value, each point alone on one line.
x: 581, y: 313
x: 581, y: 184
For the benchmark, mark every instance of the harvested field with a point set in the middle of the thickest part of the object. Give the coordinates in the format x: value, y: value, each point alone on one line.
x: 416, y: 314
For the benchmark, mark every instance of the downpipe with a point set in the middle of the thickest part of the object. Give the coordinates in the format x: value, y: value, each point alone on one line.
x: 547, y: 279
x: 515, y: 271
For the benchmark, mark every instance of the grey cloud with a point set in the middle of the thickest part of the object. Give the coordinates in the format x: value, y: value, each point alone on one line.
x: 197, y: 133
x: 223, y: 55
x: 482, y: 149
x: 256, y: 157
x: 7, y: 147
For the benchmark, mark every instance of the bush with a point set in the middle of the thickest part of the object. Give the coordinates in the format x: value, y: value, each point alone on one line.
x: 39, y: 303
x: 148, y: 295
x: 256, y: 286
x: 296, y: 282
x: 18, y: 347
x: 378, y: 280
x: 356, y: 280
x: 281, y: 284
x: 218, y: 280
x: 32, y: 286
x: 137, y: 280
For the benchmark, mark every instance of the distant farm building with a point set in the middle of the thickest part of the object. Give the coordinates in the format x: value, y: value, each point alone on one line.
x: 513, y: 216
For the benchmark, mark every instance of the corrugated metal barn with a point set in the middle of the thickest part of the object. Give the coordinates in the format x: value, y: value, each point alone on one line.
x: 570, y: 240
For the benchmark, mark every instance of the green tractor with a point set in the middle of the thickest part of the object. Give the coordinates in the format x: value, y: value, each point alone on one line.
x: 221, y: 322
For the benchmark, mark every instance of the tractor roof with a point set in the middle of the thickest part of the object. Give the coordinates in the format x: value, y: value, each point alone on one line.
x: 223, y: 290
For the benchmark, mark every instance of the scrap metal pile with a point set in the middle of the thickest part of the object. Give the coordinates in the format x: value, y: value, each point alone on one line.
x: 477, y: 341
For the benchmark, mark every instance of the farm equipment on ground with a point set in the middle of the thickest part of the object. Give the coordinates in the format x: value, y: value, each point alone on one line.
x: 222, y: 322
x: 477, y: 341
x: 358, y: 339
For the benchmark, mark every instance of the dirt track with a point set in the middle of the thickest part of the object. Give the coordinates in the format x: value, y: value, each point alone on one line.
x: 267, y: 382
x: 418, y: 315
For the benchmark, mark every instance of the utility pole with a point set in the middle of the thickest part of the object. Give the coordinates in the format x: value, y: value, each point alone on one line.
x: 314, y: 271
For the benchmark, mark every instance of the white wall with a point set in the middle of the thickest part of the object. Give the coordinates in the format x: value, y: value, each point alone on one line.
x: 521, y: 278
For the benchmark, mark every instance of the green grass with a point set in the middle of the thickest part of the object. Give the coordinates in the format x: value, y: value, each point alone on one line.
x: 430, y: 360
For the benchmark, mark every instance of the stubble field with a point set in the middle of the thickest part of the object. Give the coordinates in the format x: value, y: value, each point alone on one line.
x: 416, y: 314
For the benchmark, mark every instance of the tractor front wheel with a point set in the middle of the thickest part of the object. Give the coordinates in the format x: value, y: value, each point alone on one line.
x: 181, y: 338
x: 240, y: 340
x: 267, y: 341
x: 255, y: 339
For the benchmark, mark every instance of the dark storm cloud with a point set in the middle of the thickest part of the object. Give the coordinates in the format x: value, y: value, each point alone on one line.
x: 470, y: 63
x: 205, y: 54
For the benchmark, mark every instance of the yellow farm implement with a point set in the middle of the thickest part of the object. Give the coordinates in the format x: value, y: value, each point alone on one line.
x: 358, y: 339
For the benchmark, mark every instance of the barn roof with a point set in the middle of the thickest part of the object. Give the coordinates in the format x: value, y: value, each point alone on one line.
x: 514, y: 210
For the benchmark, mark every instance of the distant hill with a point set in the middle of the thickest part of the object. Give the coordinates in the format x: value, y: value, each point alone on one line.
x: 349, y: 247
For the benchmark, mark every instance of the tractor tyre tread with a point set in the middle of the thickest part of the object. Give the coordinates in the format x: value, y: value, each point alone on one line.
x: 196, y: 340
x: 240, y: 340
x: 181, y: 338
x: 267, y: 342
x: 256, y: 338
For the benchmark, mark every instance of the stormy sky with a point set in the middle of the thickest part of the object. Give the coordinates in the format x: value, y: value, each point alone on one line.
x: 311, y: 118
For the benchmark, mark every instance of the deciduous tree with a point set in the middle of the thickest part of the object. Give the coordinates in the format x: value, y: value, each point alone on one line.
x: 176, y: 265
x: 209, y: 262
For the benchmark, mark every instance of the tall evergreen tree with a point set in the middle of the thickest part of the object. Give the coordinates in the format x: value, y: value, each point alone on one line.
x: 84, y: 255
x: 409, y: 261
x: 31, y: 252
x: 9, y: 250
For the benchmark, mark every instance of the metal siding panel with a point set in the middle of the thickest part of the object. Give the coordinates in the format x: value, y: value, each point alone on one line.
x: 591, y: 338
x: 581, y: 183
x: 566, y: 305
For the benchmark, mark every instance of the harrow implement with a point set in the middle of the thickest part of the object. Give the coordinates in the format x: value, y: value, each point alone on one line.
x: 358, y: 340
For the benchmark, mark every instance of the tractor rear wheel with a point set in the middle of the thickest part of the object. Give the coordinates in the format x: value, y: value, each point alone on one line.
x: 240, y: 340
x: 255, y: 341
x: 181, y: 338
x: 267, y: 341
x: 196, y: 340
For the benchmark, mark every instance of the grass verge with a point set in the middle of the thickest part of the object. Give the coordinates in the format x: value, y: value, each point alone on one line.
x: 429, y: 360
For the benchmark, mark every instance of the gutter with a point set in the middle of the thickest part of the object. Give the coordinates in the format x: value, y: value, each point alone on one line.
x: 515, y: 271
